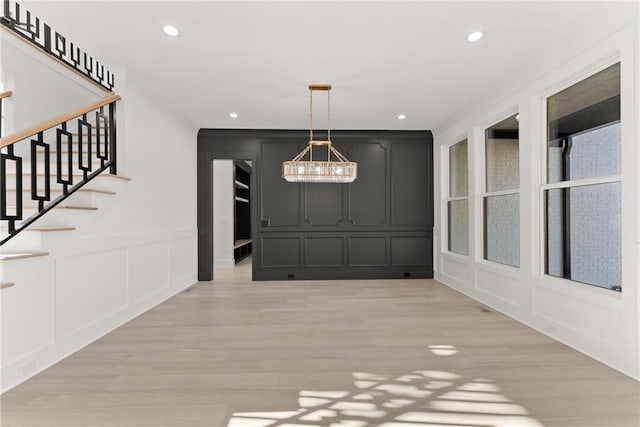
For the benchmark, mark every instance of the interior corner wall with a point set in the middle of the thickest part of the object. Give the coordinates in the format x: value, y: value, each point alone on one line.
x: 137, y: 250
x: 598, y: 322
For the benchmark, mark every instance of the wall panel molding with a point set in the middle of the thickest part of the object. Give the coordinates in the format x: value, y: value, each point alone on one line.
x: 58, y: 284
x: 324, y: 251
x: 368, y: 197
x: 280, y: 252
x: 368, y: 251
x: 323, y: 204
x: 297, y: 227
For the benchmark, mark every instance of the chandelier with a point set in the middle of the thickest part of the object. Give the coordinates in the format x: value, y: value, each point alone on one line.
x: 339, y: 170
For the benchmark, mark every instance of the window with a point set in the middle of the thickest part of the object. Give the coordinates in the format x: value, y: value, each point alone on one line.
x: 501, y: 198
x: 458, y: 203
x: 582, y: 198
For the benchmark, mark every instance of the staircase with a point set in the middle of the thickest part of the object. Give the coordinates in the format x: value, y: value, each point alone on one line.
x: 82, y: 249
x: 71, y: 175
x: 54, y: 176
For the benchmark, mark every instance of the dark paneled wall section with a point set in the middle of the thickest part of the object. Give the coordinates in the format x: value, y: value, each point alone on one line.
x: 380, y: 226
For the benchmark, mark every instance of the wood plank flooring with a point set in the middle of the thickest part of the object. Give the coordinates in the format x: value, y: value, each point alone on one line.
x: 405, y: 353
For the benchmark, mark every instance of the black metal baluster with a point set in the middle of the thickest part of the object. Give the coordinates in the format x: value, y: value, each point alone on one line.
x: 100, y: 73
x: 66, y: 182
x: 112, y: 138
x: 47, y: 39
x: 7, y: 12
x: 61, y: 46
x: 88, y: 65
x: 83, y: 123
x: 75, y: 58
x: 28, y: 26
x: 4, y: 214
x: 102, y: 136
x: 35, y: 143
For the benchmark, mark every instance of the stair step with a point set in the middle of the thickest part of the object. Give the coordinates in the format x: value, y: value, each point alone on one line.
x: 59, y: 190
x: 95, y: 162
x: 7, y: 285
x: 34, y: 238
x: 11, y: 256
x: 43, y: 229
x: 74, y: 151
x: 71, y: 207
x: 102, y: 175
x: 86, y: 134
x: 79, y: 208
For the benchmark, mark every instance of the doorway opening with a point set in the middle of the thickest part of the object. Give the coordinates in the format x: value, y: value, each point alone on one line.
x: 232, y: 207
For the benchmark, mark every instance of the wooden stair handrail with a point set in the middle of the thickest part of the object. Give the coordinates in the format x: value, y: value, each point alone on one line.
x: 33, y: 130
x: 6, y: 94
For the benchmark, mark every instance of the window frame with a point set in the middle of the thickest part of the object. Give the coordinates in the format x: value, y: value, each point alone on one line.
x: 583, y: 182
x: 484, y: 194
x: 449, y: 198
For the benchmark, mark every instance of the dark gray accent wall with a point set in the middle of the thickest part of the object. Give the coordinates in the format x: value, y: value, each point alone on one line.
x: 380, y: 226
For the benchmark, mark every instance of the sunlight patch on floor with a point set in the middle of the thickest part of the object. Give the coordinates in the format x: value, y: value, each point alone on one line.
x: 416, y: 399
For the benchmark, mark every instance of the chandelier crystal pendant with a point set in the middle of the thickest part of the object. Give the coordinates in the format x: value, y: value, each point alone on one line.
x: 338, y: 171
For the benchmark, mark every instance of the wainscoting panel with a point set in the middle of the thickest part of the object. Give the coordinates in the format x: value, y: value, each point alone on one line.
x: 456, y: 270
x: 106, y: 295
x: 278, y: 252
x: 182, y: 255
x: 603, y: 319
x: 367, y: 251
x: 25, y: 331
x: 499, y: 286
x: 84, y: 289
x: 148, y: 270
x: 408, y: 251
x: 324, y: 252
x: 350, y: 255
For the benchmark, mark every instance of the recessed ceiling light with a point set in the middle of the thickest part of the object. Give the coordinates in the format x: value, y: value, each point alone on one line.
x: 233, y: 115
x: 171, y: 30
x: 402, y: 116
x: 475, y: 36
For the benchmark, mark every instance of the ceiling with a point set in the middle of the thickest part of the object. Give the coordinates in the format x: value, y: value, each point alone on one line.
x: 382, y: 58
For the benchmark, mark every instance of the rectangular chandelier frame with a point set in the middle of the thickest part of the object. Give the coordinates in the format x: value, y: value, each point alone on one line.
x: 338, y: 171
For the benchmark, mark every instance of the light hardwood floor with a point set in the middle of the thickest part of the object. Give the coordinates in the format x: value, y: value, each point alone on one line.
x: 405, y: 353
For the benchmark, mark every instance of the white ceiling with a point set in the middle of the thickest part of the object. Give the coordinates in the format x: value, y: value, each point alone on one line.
x: 382, y: 58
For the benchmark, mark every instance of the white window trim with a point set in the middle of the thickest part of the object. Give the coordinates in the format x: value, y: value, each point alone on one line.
x: 486, y: 194
x: 445, y: 209
x: 545, y: 186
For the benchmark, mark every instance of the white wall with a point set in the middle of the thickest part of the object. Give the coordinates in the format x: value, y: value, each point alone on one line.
x: 598, y: 322
x: 223, y: 215
x: 42, y: 89
x: 136, y: 251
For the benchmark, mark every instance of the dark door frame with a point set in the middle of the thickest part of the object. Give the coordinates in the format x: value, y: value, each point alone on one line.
x: 205, y: 201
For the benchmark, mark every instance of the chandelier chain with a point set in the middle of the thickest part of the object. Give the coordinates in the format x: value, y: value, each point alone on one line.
x: 329, y: 115
x: 310, y: 114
